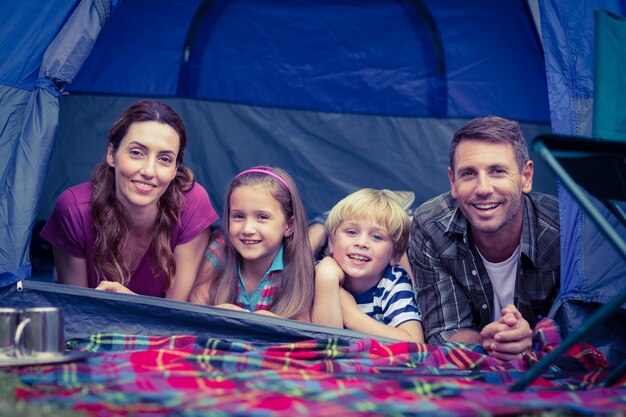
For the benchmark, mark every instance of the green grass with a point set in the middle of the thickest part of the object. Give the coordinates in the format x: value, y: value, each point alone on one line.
x: 9, y: 407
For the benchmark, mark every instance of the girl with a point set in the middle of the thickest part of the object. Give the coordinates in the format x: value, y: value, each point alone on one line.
x: 262, y: 262
x: 141, y: 225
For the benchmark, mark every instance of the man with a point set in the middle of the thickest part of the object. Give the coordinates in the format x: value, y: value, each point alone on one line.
x: 485, y: 256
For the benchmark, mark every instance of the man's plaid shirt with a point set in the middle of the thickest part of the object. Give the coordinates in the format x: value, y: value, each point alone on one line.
x: 452, y: 284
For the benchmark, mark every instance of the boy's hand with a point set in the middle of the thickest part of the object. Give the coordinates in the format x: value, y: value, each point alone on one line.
x: 328, y: 270
x: 326, y: 305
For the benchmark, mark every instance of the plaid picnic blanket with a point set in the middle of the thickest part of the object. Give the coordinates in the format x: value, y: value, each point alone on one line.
x: 191, y: 376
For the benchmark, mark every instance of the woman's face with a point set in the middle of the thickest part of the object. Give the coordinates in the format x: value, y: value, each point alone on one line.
x: 145, y: 164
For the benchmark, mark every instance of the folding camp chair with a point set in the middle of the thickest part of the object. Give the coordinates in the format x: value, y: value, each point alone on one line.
x: 598, y: 166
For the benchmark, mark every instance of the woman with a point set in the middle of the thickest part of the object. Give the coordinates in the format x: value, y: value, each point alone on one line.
x: 141, y: 225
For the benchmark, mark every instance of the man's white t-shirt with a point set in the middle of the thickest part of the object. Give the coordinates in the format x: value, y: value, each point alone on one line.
x: 503, y: 276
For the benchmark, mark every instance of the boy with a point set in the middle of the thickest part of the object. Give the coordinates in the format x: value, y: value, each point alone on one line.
x: 360, y: 286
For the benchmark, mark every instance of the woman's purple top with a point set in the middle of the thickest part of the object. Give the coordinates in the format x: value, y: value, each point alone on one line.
x: 70, y: 228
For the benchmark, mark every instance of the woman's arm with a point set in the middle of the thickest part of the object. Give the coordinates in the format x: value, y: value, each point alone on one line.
x: 70, y: 269
x: 199, y: 293
x: 187, y: 257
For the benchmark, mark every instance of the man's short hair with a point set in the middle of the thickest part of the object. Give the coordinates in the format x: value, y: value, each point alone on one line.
x: 379, y: 205
x: 492, y: 129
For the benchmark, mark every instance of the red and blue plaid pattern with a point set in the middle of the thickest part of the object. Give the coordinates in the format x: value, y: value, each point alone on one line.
x: 269, y: 286
x: 192, y: 376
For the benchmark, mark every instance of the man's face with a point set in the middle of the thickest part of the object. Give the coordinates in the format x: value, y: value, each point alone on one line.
x: 145, y: 165
x: 488, y: 186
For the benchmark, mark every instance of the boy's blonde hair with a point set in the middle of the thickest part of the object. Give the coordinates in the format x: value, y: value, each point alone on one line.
x: 379, y: 205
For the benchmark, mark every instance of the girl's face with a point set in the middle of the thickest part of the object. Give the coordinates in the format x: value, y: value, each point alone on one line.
x: 257, y: 225
x: 145, y: 164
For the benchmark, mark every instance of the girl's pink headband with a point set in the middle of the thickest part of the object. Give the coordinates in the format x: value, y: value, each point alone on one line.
x: 265, y: 170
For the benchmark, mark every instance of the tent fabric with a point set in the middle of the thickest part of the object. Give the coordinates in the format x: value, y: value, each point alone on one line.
x: 13, y: 266
x: 329, y: 155
x: 338, y: 94
x: 380, y: 57
x: 87, y: 309
x: 31, y: 131
x: 609, y: 123
x: 184, y: 375
x: 592, y: 273
x: 21, y: 50
x: 568, y: 34
x: 609, y: 112
x: 346, y: 96
x: 591, y: 268
x: 307, y: 87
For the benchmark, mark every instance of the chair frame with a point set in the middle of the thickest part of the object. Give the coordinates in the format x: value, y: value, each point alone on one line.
x: 549, y: 147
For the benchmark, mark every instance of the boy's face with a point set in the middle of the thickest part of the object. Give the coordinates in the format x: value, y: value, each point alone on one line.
x: 362, y: 249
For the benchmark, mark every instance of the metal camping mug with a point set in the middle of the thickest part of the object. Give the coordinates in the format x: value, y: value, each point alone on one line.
x: 8, y: 326
x: 40, y: 332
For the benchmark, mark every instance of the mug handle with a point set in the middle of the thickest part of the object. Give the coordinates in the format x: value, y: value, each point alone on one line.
x: 18, y: 336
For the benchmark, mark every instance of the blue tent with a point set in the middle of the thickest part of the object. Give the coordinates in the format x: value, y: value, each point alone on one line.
x: 584, y: 47
x: 342, y: 94
x: 41, y: 51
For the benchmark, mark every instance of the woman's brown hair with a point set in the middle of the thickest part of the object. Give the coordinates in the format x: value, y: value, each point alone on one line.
x: 109, y: 215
